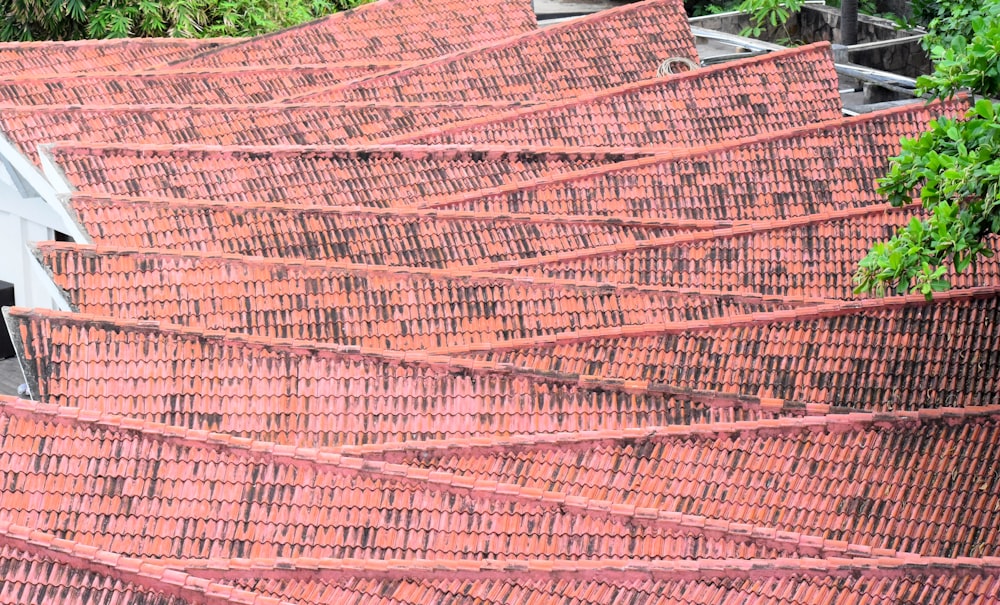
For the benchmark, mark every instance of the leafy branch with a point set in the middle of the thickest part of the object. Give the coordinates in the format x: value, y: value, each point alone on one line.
x: 955, y: 166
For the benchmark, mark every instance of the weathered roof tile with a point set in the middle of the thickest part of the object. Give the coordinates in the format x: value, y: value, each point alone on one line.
x: 725, y: 102
x: 604, y: 50
x: 395, y: 30
x: 128, y: 54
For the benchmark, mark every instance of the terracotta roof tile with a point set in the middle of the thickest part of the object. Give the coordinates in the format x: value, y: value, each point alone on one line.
x: 241, y: 124
x: 786, y: 588
x: 725, y: 102
x: 802, y: 170
x: 230, y: 85
x: 40, y: 567
x: 194, y: 378
x: 374, y: 236
x: 396, y: 30
x: 653, y: 186
x: 814, y: 256
x: 378, y: 308
x: 129, y: 54
x: 926, y: 489
x: 604, y: 50
x: 143, y: 489
x: 33, y: 579
x: 689, y: 124
x: 876, y: 354
x: 381, y: 176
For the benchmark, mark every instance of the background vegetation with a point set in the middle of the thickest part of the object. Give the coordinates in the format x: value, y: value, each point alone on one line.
x: 76, y: 19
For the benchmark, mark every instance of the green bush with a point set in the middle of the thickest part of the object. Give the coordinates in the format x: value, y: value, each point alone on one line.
x: 75, y: 19
x: 955, y: 165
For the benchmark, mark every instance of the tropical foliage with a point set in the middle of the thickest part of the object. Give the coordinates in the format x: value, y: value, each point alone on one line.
x: 954, y: 167
x: 76, y: 19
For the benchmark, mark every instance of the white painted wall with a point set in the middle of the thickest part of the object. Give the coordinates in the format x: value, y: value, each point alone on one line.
x: 24, y: 218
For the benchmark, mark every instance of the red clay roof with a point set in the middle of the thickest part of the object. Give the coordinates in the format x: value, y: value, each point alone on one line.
x: 724, y: 102
x: 379, y: 176
x: 605, y: 119
x: 374, y: 307
x: 129, y: 54
x: 805, y: 170
x: 197, y: 495
x: 396, y: 30
x: 41, y: 567
x: 497, y: 422
x: 373, y: 236
x: 605, y: 50
x: 228, y: 85
x: 239, y: 124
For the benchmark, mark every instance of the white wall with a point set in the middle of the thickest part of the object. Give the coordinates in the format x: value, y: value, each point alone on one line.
x: 25, y: 218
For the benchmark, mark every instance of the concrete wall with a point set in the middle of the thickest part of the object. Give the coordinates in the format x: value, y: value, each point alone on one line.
x: 881, y: 46
x: 904, y: 57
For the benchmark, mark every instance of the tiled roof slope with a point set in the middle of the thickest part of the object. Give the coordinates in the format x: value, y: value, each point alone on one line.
x: 194, y: 495
x: 874, y: 357
x: 129, y: 54
x: 231, y: 85
x: 810, y: 257
x: 927, y: 489
x: 730, y: 586
x: 804, y: 170
x: 378, y: 176
x: 654, y: 186
x: 40, y: 567
x: 814, y: 256
x: 370, y: 236
x: 741, y: 98
x: 306, y: 393
x: 377, y: 308
x: 607, y: 119
x: 604, y: 50
x: 240, y: 124
x: 392, y: 30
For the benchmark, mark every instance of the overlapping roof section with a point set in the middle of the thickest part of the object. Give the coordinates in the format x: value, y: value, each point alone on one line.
x: 222, y: 124
x: 622, y: 372
x: 732, y: 101
x: 377, y: 176
x: 125, y: 54
x: 229, y: 85
x: 401, y: 236
x: 602, y: 115
x: 605, y: 50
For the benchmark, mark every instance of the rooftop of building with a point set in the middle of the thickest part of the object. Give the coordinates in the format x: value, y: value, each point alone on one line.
x: 506, y: 318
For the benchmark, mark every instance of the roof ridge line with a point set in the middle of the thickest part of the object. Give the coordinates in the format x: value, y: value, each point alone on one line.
x: 510, y: 41
x: 446, y: 363
x: 221, y: 107
x: 404, y: 150
x: 411, y: 211
x: 828, y: 423
x: 602, y: 570
x: 805, y: 313
x: 238, y: 69
x: 740, y: 229
x: 466, y: 485
x: 589, y: 97
x: 659, y: 154
x: 452, y: 274
x: 142, y: 572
